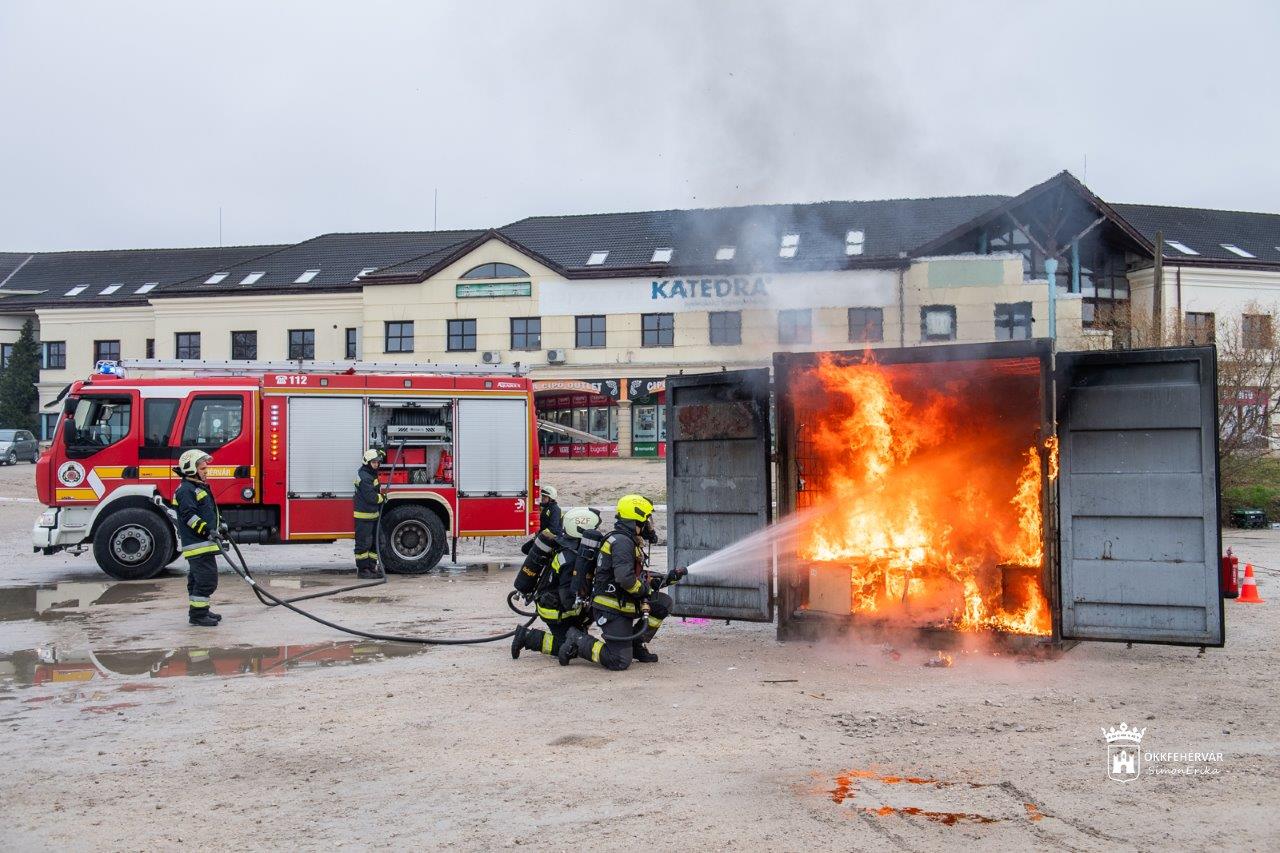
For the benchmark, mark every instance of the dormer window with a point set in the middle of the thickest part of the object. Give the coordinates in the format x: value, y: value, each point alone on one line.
x: 790, y: 245
x: 853, y: 242
x: 495, y: 271
x: 726, y: 253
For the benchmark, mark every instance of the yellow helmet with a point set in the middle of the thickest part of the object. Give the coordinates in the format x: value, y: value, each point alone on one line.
x: 634, y: 508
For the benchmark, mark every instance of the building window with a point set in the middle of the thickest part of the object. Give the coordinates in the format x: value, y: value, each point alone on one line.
x: 1256, y: 331
x: 353, y: 344
x: 106, y: 351
x: 1200, y: 328
x: 48, y: 425
x: 590, y: 331
x: 244, y: 346
x: 399, y: 337
x: 53, y: 355
x: 866, y: 325
x: 186, y: 345
x: 6, y: 355
x: 526, y: 333
x: 151, y: 348
x: 938, y: 323
x: 495, y: 271
x: 302, y: 344
x: 1013, y: 321
x: 657, y: 330
x: 795, y: 326
x: 726, y: 328
x: 462, y: 336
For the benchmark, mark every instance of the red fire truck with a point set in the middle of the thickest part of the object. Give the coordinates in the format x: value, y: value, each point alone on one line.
x: 286, y: 442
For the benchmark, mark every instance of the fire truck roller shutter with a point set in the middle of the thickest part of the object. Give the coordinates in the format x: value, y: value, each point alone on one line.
x: 493, y: 447
x: 326, y: 439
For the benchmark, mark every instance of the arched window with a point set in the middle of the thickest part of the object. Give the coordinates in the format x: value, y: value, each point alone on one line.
x: 495, y: 271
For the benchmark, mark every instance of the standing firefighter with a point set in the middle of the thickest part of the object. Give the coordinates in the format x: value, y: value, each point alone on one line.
x: 367, y: 501
x: 625, y: 603
x: 552, y: 586
x: 198, y: 528
x: 549, y: 517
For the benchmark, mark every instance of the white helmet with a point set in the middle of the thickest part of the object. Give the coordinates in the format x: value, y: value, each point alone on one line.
x: 549, y: 492
x: 188, y: 461
x: 372, y: 454
x: 579, y: 519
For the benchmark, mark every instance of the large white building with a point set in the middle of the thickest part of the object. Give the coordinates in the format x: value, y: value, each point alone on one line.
x: 601, y: 307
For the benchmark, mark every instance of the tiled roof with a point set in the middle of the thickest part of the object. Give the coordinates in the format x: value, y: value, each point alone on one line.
x: 1205, y: 231
x: 890, y: 227
x: 48, y: 277
x: 339, y: 258
x: 450, y: 243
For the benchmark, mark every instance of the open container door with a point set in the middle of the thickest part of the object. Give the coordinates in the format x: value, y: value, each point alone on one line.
x: 1138, y: 496
x: 719, y: 491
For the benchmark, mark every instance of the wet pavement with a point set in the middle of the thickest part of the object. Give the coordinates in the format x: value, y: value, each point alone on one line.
x: 53, y: 665
x: 70, y: 599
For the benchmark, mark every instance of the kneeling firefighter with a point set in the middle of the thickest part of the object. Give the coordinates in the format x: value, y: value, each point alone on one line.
x: 199, y: 526
x: 625, y: 602
x: 549, y: 583
x: 367, y: 502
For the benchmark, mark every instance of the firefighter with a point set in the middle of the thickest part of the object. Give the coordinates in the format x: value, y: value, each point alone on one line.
x: 367, y: 502
x: 553, y: 594
x: 199, y: 527
x: 549, y: 517
x: 625, y: 599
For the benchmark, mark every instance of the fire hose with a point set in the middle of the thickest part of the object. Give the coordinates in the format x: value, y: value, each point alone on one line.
x: 241, y: 568
x: 658, y: 581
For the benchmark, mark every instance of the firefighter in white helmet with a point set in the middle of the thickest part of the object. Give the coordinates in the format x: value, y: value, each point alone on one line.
x: 199, y: 526
x: 551, y: 586
x: 367, y: 502
x: 549, y: 516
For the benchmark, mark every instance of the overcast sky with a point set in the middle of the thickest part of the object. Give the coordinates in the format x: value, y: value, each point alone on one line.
x: 130, y: 124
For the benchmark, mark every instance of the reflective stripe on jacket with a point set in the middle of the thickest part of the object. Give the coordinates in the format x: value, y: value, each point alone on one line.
x: 368, y: 495
x: 198, y: 517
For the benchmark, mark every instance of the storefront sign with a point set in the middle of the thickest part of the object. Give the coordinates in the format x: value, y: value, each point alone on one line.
x: 472, y: 291
x: 604, y: 387
x: 720, y: 292
x: 637, y: 388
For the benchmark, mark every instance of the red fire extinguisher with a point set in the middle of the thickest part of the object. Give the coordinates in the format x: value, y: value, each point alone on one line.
x: 1230, y: 575
x: 444, y: 471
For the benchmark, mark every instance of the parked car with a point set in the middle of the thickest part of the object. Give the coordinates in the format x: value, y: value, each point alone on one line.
x: 16, y: 444
x: 1248, y: 517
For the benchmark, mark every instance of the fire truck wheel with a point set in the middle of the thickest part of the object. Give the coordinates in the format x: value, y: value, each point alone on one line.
x: 413, y: 540
x: 132, y: 544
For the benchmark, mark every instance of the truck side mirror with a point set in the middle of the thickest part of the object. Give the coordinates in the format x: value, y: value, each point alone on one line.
x: 69, y: 405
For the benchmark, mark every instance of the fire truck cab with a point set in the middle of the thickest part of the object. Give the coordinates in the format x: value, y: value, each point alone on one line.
x: 286, y: 442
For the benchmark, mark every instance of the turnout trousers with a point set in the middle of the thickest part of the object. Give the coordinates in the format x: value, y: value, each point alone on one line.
x: 365, y: 548
x: 202, y: 581
x: 618, y: 654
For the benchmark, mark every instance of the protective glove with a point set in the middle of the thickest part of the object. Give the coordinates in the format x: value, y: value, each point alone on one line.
x: 676, y: 575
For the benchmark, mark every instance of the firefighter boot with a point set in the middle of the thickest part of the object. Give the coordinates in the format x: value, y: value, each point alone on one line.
x: 569, y: 648
x: 216, y: 617
x: 200, y: 616
x: 641, y: 652
x: 518, y: 640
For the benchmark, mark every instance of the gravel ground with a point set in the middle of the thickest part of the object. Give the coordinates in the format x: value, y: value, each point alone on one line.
x: 272, y: 731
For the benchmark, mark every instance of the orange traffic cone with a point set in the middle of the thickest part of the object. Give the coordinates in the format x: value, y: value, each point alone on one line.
x: 1249, y: 587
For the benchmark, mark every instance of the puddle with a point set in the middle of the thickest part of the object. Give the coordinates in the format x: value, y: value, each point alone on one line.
x: 69, y: 598
x: 53, y: 665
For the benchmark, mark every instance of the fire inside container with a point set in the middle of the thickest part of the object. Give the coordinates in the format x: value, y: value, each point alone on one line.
x: 923, y: 486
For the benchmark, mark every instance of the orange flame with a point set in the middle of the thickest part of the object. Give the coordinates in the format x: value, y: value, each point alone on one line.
x: 933, y: 503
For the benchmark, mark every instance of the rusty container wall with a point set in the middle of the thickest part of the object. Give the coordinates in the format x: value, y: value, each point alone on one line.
x: 794, y: 623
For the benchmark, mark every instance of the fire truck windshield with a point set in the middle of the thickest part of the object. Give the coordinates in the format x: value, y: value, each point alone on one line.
x: 99, y: 422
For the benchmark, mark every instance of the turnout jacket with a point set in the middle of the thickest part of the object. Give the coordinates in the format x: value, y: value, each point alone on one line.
x: 551, y: 518
x: 198, y: 517
x: 619, y: 585
x: 368, y: 494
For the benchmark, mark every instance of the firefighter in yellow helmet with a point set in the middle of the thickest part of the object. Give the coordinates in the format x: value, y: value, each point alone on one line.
x: 625, y: 603
x: 367, y: 502
x: 199, y: 526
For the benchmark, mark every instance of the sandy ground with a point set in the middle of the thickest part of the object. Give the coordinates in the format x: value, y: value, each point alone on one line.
x: 272, y: 731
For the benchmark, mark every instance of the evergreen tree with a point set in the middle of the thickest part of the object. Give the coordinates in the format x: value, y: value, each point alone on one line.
x: 18, y: 396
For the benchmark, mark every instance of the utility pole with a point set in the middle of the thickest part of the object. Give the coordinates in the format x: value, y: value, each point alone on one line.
x: 1157, y: 296
x: 219, y: 225
x: 435, y: 211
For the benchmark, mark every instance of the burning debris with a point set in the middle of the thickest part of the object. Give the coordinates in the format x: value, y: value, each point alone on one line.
x: 926, y: 484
